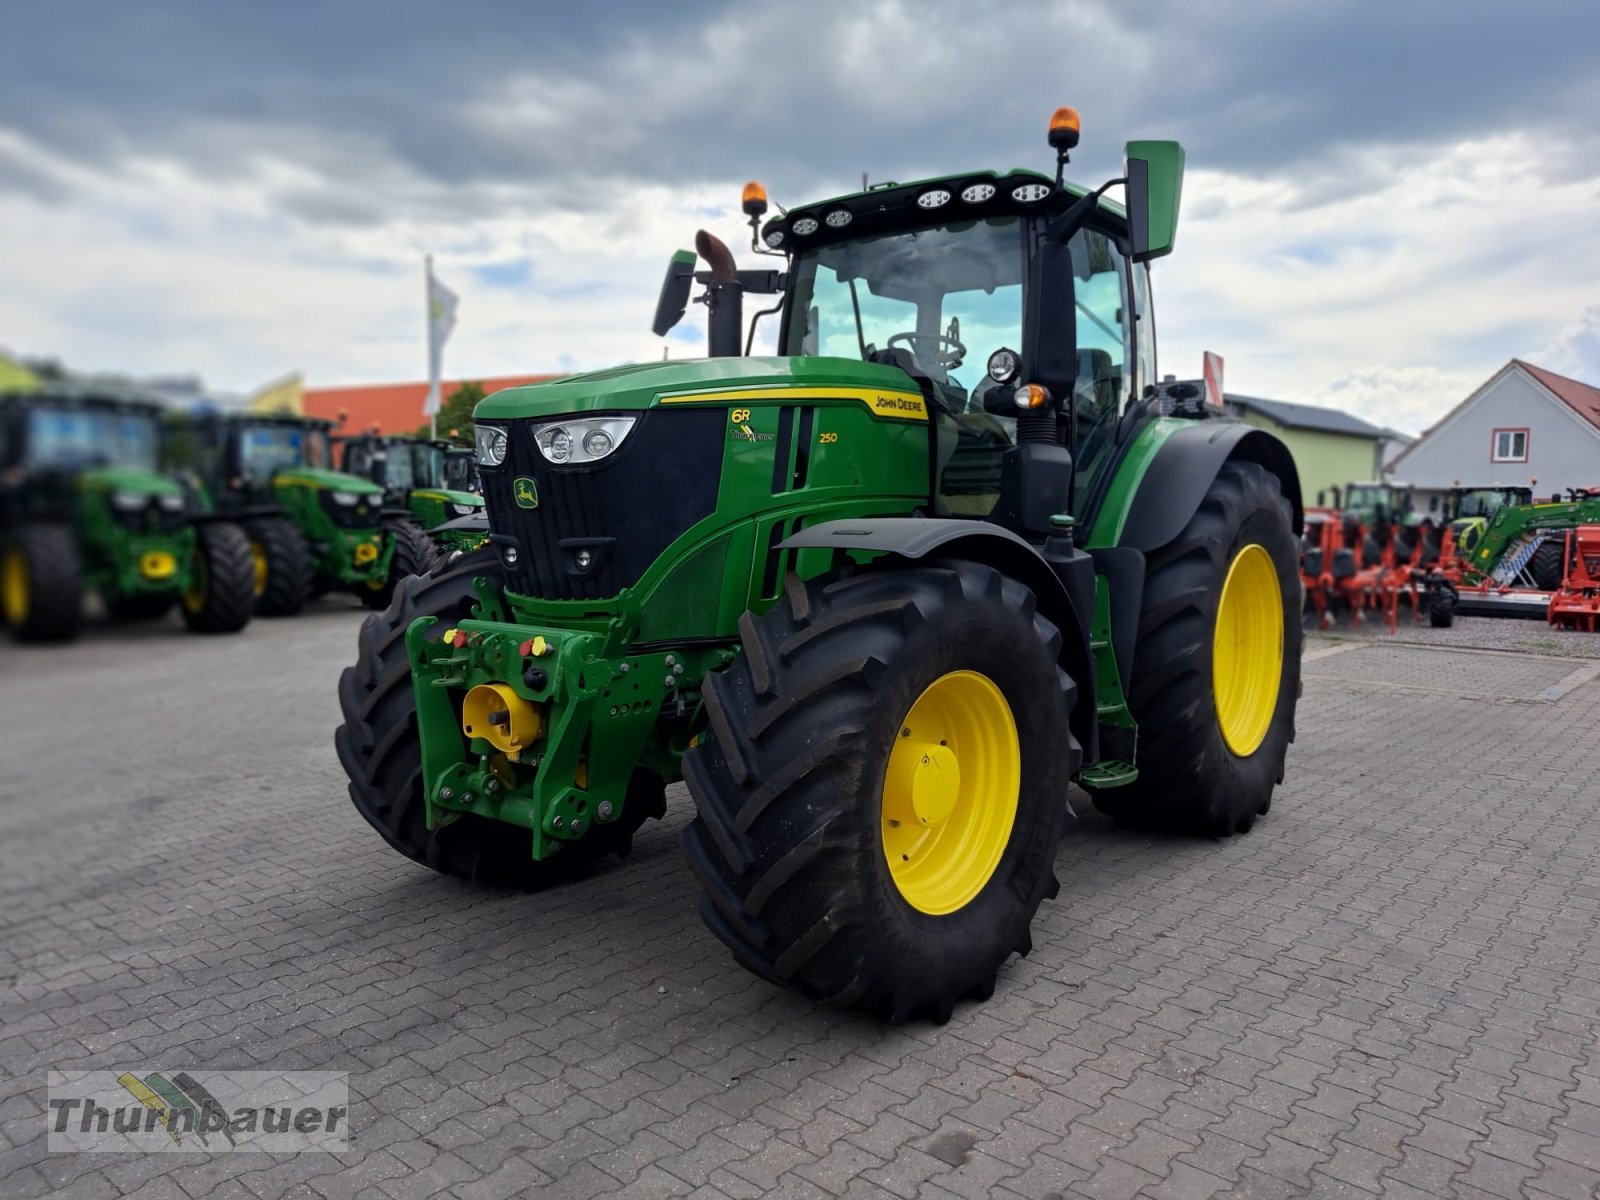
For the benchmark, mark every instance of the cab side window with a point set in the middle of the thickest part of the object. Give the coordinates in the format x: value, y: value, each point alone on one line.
x: 1145, y: 328
x: 1104, y: 339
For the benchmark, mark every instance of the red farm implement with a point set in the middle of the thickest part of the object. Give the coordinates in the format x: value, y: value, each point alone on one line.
x: 1577, y: 604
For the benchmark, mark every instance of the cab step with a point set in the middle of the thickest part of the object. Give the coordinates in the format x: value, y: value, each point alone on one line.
x: 1108, y: 773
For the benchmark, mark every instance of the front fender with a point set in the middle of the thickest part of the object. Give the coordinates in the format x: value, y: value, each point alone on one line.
x: 1177, y: 478
x: 1066, y: 599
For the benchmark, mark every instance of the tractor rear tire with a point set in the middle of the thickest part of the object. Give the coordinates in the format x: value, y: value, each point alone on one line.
x: 287, y: 556
x: 41, y: 577
x: 381, y: 751
x: 1547, y: 568
x: 146, y: 606
x: 1196, y: 774
x: 223, y: 595
x: 414, y: 554
x: 796, y: 781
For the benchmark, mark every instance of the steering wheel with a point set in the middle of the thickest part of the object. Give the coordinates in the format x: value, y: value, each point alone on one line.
x: 942, y: 359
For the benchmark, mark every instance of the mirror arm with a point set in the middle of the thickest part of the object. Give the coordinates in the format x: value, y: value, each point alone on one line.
x: 1064, y: 226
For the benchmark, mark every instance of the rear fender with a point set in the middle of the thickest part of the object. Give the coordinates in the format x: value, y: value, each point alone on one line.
x: 917, y: 538
x: 1182, y: 471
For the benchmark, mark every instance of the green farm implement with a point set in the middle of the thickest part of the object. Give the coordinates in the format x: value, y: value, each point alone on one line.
x: 311, y: 529
x: 415, y: 475
x: 84, y: 507
x: 880, y: 599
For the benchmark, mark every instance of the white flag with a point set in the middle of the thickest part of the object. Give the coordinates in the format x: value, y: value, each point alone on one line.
x: 441, y: 320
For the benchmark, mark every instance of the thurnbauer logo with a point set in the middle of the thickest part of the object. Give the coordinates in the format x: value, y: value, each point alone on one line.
x: 746, y: 434
x: 272, y: 1111
x: 525, y: 492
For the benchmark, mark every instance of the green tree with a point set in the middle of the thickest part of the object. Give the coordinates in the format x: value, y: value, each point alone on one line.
x: 455, y: 414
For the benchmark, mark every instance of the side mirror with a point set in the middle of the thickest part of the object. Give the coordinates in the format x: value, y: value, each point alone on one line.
x: 1154, y: 172
x: 1049, y: 320
x: 674, y: 299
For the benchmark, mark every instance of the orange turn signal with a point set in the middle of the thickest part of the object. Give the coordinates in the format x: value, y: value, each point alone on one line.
x: 1064, y: 128
x: 1031, y: 397
x: 754, y: 199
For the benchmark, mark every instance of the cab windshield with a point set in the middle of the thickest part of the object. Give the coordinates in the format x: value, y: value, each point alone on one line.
x: 429, y: 465
x: 84, y: 437
x: 264, y: 449
x: 948, y: 296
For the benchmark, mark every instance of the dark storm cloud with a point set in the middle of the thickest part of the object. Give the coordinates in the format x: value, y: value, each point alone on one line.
x: 389, y: 103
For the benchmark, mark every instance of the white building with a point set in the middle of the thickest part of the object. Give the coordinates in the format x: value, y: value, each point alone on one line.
x: 1525, y: 427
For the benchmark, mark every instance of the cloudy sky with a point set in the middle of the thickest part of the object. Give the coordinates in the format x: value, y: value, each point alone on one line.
x: 1385, y: 200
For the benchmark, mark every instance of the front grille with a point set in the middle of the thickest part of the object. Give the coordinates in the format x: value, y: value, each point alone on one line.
x: 363, y: 514
x: 625, y: 509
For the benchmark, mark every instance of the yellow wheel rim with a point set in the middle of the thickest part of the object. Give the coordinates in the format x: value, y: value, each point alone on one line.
x: 194, y: 596
x: 14, y: 583
x: 950, y: 792
x: 1247, y: 650
x: 258, y: 563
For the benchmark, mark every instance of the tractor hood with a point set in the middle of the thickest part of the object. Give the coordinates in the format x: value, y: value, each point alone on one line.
x: 450, y: 497
x: 648, y: 384
x: 128, y: 479
x: 319, y: 477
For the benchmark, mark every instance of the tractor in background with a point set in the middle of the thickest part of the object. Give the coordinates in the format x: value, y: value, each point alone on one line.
x: 880, y: 599
x: 85, y: 507
x: 311, y: 529
x: 414, y: 475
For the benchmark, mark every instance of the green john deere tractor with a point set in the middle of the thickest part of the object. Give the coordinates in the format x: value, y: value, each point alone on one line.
x: 413, y: 473
x: 83, y: 507
x: 880, y: 600
x: 312, y: 529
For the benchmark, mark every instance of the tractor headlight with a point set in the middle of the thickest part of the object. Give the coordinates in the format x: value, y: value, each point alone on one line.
x: 464, y: 510
x: 1030, y: 193
x: 171, y: 504
x: 345, y: 499
x: 1003, y: 365
x: 491, y: 443
x: 129, y: 502
x: 585, y: 440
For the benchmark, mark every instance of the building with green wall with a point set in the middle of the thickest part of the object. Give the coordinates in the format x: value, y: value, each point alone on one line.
x: 1330, y: 448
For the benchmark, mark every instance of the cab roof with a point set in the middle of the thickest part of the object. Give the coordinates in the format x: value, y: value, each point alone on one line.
x: 58, y: 395
x: 947, y: 199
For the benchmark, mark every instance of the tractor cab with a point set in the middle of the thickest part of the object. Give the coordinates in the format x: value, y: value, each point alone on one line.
x: 413, y: 473
x: 1374, y: 504
x: 461, y: 470
x: 1482, y: 502
x: 1016, y: 305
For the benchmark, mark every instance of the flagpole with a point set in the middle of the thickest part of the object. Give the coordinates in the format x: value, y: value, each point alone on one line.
x: 427, y: 309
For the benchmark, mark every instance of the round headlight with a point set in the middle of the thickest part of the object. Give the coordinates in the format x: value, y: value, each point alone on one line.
x: 556, y: 444
x: 838, y: 218
x: 346, y: 499
x: 774, y: 239
x: 490, y: 441
x: 805, y: 225
x: 129, y: 501
x: 1002, y: 366
x: 934, y: 198
x: 597, y: 442
x: 1030, y: 193
x: 977, y: 193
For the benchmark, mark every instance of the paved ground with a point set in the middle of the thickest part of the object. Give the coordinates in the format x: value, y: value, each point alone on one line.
x: 1392, y: 986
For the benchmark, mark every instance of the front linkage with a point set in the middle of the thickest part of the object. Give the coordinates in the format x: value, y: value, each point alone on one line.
x: 553, y: 723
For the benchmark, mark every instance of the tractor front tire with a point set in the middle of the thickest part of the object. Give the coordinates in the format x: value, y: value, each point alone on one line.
x: 1216, y: 670
x: 414, y: 554
x: 883, y: 786
x: 1547, y: 568
x: 380, y: 750
x: 222, y: 596
x: 283, y: 566
x: 41, y: 580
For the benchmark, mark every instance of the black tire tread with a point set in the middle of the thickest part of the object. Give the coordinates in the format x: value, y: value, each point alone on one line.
x: 231, y: 593
x: 776, y: 803
x: 55, y: 578
x: 289, y: 565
